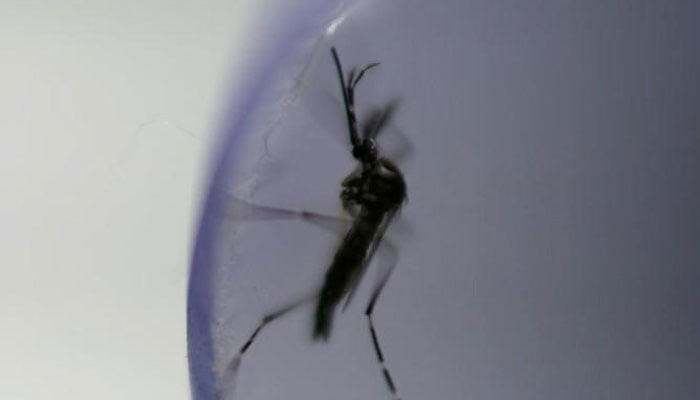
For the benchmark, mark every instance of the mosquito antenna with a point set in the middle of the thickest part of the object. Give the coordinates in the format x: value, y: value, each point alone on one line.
x: 347, y: 100
x: 362, y: 73
x: 351, y: 77
x: 353, y: 81
x: 351, y: 88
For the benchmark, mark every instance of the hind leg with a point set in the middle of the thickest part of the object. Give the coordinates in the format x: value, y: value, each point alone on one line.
x: 388, y: 257
x: 245, y: 211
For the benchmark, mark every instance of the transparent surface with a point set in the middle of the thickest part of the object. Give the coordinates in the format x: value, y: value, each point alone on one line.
x: 548, y: 248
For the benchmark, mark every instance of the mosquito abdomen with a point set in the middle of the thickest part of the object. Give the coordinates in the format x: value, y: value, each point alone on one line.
x: 347, y: 263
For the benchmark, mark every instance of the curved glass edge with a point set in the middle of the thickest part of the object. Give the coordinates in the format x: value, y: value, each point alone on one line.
x: 295, y: 28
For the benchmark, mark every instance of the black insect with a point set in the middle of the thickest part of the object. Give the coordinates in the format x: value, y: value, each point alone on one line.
x: 372, y: 195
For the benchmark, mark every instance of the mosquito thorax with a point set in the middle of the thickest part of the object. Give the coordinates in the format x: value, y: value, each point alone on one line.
x: 366, y: 151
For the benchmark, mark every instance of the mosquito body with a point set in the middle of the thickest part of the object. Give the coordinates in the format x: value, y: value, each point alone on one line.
x: 371, y: 195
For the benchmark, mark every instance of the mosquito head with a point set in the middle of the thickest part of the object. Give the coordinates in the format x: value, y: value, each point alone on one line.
x: 361, y: 147
x: 366, y: 151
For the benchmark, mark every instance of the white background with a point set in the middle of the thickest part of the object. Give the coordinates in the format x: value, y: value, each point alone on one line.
x: 106, y: 108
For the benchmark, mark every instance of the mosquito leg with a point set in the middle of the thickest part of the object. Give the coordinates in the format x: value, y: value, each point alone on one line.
x: 380, y: 356
x: 242, y: 210
x: 232, y: 370
x: 389, y: 251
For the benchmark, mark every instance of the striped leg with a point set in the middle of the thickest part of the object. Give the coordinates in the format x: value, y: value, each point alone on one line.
x: 386, y: 249
x: 242, y: 210
x: 232, y: 370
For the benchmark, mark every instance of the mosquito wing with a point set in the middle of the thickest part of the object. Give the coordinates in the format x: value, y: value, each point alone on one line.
x: 378, y: 118
x: 394, y: 143
x: 242, y: 210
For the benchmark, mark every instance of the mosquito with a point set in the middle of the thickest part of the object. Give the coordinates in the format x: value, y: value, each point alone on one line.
x: 371, y: 195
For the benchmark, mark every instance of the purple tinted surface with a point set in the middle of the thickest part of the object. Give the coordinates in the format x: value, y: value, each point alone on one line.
x: 553, y: 206
x: 287, y: 31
